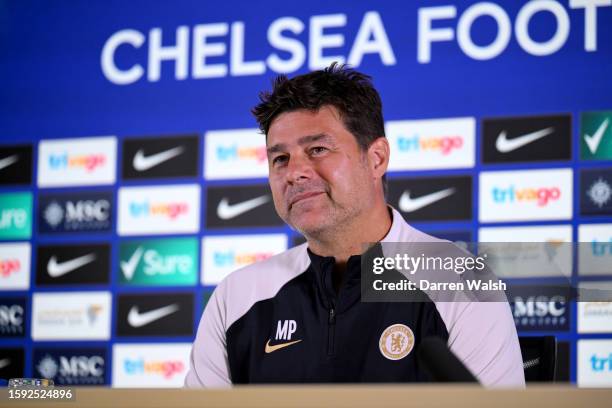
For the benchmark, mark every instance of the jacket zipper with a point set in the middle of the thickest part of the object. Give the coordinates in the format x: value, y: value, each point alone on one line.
x: 331, y: 325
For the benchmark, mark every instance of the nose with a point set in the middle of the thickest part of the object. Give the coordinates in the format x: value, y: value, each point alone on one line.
x: 299, y: 169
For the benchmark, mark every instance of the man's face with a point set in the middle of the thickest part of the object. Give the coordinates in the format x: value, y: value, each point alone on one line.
x: 319, y: 176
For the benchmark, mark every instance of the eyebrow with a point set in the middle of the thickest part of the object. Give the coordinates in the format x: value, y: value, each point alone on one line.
x: 304, y: 140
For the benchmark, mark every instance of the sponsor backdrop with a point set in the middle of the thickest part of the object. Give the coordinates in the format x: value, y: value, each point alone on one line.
x: 133, y: 179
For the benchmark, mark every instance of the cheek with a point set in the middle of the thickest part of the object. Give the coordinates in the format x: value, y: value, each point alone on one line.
x: 277, y: 198
x: 345, y: 176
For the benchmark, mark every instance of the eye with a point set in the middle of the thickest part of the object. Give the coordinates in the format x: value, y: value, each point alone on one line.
x: 318, y: 150
x: 279, y: 160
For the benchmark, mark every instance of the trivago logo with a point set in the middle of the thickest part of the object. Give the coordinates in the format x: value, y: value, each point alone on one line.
x: 443, y: 144
x: 171, y: 210
x: 14, y: 266
x: 525, y: 195
x: 9, y: 266
x: 159, y: 209
x: 235, y: 154
x: 594, y: 363
x: 164, y: 368
x: 64, y: 160
x: 222, y: 255
x: 72, y: 162
x: 595, y: 249
x: 239, y: 259
x: 150, y: 365
x: 431, y: 143
x: 540, y: 196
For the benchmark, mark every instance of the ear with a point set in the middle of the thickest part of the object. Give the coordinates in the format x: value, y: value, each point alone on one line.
x: 378, y: 156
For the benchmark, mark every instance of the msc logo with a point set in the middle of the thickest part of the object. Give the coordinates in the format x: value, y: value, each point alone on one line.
x: 284, y: 331
x: 540, y: 312
x: 444, y: 144
x: 12, y: 319
x: 541, y: 196
x: 69, y: 213
x: 167, y: 210
x: 71, y: 368
x: 64, y: 160
x: 596, y: 192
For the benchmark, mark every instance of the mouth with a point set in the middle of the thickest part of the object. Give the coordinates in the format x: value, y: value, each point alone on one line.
x: 304, y: 196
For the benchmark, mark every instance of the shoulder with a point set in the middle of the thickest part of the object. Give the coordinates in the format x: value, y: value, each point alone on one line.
x: 262, y: 280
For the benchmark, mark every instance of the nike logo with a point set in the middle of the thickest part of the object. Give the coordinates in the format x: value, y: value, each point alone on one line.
x: 5, y: 362
x: 225, y: 211
x: 56, y: 269
x: 408, y: 204
x: 128, y: 268
x: 137, y: 319
x: 143, y: 163
x: 593, y: 141
x: 503, y: 145
x: 270, y: 349
x: 7, y: 161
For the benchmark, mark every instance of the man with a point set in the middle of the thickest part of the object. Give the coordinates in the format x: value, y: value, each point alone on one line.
x: 298, y: 317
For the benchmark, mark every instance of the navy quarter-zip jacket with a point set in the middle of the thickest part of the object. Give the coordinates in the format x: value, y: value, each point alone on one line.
x: 281, y: 321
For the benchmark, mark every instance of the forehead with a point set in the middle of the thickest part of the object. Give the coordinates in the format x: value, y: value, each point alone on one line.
x: 288, y: 127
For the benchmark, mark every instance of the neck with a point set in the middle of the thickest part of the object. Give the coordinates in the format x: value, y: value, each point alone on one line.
x: 341, y: 243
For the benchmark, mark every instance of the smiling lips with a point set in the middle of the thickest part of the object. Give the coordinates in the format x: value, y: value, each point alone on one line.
x: 303, y: 196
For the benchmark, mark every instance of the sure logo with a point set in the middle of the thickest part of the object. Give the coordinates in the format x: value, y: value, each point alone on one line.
x: 15, y: 216
x: 159, y: 262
